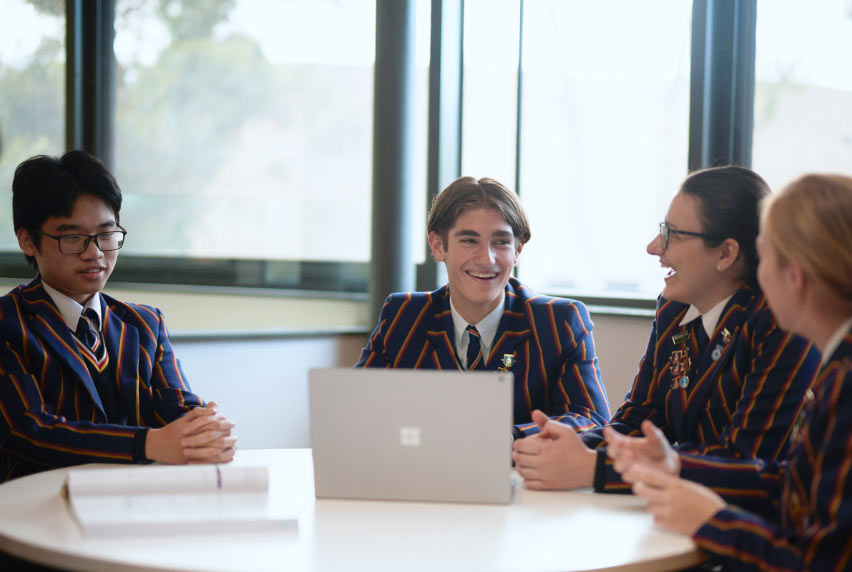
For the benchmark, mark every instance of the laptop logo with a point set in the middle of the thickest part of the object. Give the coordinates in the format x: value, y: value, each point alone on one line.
x: 409, y: 436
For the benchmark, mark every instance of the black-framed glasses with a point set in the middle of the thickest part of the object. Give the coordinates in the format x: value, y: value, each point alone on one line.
x: 666, y: 232
x: 77, y: 243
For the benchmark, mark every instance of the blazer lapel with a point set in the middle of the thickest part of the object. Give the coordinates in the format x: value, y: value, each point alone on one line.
x: 122, y: 344
x: 514, y: 329
x: 676, y: 402
x: 720, y: 351
x: 48, y: 324
x: 440, y: 331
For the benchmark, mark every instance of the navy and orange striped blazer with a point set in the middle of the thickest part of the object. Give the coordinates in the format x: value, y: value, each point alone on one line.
x: 555, y: 365
x: 50, y: 411
x: 803, y: 504
x: 741, y: 404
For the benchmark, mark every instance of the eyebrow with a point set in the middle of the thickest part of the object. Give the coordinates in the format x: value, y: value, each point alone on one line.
x: 106, y: 224
x: 495, y: 234
x: 465, y: 233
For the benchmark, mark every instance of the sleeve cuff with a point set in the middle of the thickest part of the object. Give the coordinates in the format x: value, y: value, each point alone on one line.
x: 600, y: 470
x: 139, y: 441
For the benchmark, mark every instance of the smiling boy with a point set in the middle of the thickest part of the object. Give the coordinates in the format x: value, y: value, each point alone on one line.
x: 85, y: 377
x: 484, y: 319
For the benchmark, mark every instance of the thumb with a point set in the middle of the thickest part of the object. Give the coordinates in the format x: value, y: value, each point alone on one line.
x: 653, y: 433
x: 540, y: 419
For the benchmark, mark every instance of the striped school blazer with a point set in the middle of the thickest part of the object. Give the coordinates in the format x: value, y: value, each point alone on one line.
x: 743, y: 393
x: 550, y: 339
x: 50, y: 412
x: 804, y: 504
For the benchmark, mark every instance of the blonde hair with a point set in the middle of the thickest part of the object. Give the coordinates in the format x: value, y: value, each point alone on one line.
x: 810, y: 221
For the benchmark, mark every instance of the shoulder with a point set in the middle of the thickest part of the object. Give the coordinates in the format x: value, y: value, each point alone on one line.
x: 134, y: 313
x: 524, y: 298
x: 10, y: 313
x: 11, y: 298
x: 669, y: 310
x: 756, y: 314
x: 414, y: 301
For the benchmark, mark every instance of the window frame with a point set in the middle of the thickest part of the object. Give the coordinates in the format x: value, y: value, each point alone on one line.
x: 720, y: 132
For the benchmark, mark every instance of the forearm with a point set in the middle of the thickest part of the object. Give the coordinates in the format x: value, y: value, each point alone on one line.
x: 49, y: 442
x: 743, y: 541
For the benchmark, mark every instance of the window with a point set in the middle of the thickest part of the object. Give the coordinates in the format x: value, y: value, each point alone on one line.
x: 490, y: 89
x: 604, y: 116
x: 803, y: 91
x: 32, y: 81
x: 245, y: 132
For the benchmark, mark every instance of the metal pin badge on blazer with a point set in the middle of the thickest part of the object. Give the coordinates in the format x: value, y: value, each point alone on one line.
x: 508, y: 361
x: 717, y: 349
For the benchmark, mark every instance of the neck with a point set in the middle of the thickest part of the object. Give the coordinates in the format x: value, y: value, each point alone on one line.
x: 819, y: 327
x: 717, y: 294
x: 820, y: 313
x: 474, y: 313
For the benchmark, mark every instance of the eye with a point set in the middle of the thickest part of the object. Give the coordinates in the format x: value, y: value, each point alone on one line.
x: 73, y: 238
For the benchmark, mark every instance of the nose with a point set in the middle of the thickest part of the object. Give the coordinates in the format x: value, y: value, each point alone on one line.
x: 486, y: 254
x: 655, y: 247
x: 92, y: 250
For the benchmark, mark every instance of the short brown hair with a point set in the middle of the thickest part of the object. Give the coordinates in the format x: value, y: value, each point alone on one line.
x: 469, y: 193
x: 810, y: 221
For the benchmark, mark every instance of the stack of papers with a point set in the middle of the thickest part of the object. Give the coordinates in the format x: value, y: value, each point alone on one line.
x: 167, y: 500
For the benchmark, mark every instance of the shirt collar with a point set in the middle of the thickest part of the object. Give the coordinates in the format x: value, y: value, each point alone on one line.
x: 70, y: 309
x: 835, y: 340
x: 487, y: 326
x: 710, y: 318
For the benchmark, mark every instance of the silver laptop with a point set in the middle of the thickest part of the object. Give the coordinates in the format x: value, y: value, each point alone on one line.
x: 417, y: 435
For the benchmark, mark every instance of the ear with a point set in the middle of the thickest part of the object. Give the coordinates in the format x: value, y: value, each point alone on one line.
x: 25, y: 242
x: 795, y: 276
x: 437, y: 246
x: 518, y: 248
x: 729, y: 253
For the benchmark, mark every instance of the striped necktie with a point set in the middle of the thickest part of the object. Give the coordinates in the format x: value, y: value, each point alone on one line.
x: 90, y: 339
x: 474, y: 349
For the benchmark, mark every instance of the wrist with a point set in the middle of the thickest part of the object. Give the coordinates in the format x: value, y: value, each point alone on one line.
x: 152, y: 440
x: 600, y: 470
x: 590, y: 460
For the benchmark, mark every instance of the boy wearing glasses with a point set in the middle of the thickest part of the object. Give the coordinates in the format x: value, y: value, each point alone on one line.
x: 85, y: 377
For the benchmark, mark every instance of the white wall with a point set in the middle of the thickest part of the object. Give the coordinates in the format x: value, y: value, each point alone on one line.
x: 261, y: 385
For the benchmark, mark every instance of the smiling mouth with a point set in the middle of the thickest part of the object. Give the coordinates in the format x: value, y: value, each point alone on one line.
x: 93, y: 270
x: 671, y: 271
x: 482, y: 275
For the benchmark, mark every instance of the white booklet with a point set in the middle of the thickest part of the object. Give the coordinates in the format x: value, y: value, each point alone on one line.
x: 167, y: 500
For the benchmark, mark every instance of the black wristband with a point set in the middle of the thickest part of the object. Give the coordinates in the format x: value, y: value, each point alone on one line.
x: 600, y: 470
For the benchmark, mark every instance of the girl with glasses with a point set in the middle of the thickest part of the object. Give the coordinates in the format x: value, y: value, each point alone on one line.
x: 718, y: 376
x: 798, y: 512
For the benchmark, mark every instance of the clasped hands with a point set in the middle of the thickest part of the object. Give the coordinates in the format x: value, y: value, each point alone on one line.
x: 202, y: 435
x: 556, y: 458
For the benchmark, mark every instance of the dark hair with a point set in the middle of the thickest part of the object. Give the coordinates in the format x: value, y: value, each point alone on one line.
x: 729, y: 199
x: 46, y: 187
x: 468, y: 193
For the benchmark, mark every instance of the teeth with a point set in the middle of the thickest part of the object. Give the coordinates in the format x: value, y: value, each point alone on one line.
x: 481, y: 275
